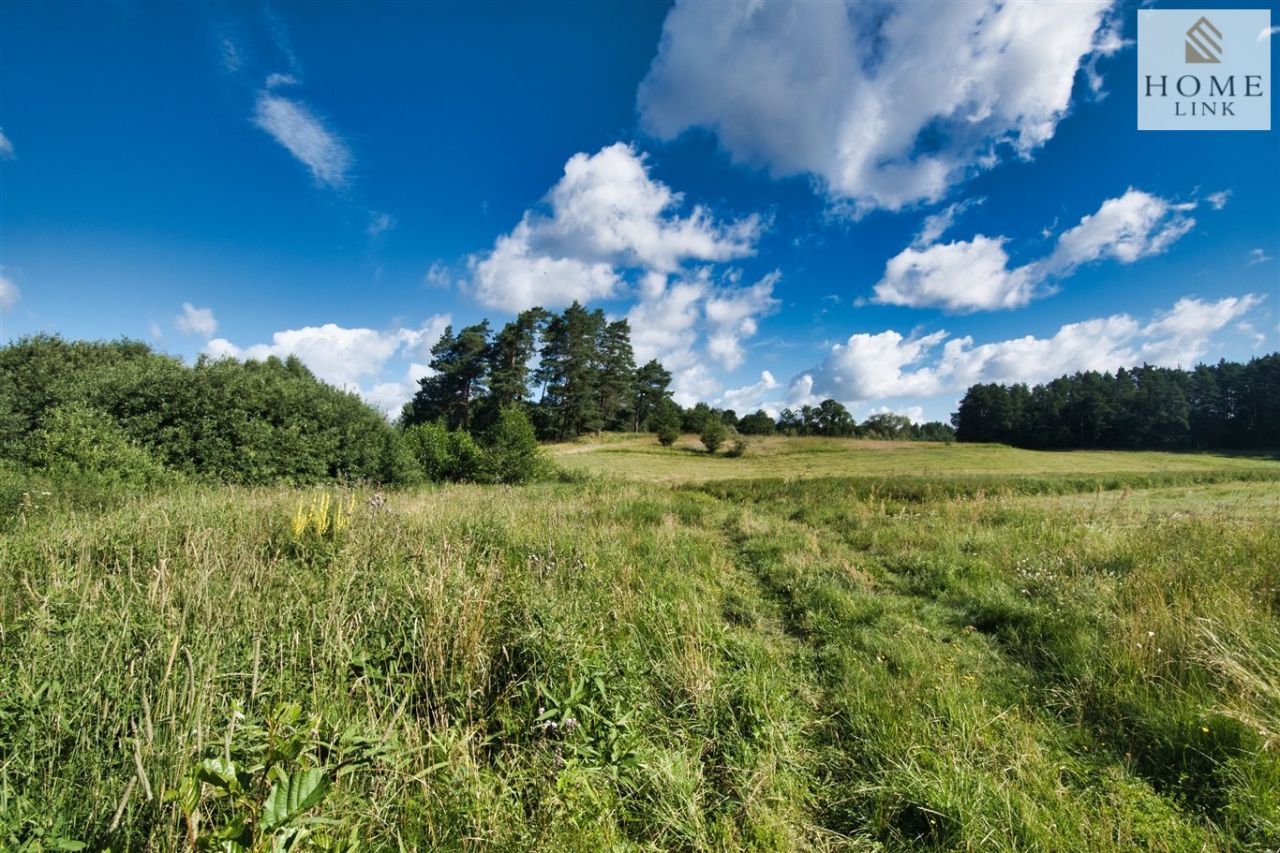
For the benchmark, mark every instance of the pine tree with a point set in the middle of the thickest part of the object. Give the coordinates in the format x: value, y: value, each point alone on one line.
x: 451, y: 392
x: 570, y: 370
x: 651, y: 388
x: 508, y: 359
x: 615, y: 383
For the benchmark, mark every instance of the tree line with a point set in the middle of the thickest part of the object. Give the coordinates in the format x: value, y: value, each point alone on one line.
x: 571, y: 373
x: 1228, y: 405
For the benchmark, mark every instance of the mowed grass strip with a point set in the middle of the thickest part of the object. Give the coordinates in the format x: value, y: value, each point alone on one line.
x: 641, y: 458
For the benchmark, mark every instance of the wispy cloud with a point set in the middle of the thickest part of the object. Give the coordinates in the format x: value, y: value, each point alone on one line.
x: 1218, y: 200
x: 6, y: 147
x: 9, y: 292
x: 380, y: 223
x: 1257, y: 256
x: 196, y: 321
x: 305, y: 137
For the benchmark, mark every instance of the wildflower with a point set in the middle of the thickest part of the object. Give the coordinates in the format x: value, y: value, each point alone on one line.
x: 1151, y: 633
x: 570, y: 724
x: 1204, y: 729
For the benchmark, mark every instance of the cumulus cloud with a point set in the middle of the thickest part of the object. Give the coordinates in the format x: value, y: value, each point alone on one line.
x: 960, y: 276
x: 292, y: 124
x: 1133, y: 226
x: 975, y: 275
x: 6, y: 147
x: 748, y: 398
x: 605, y: 216
x: 672, y: 314
x: 734, y: 315
x: 886, y: 105
x: 9, y: 293
x: 351, y: 357
x: 196, y: 321
x: 888, y: 364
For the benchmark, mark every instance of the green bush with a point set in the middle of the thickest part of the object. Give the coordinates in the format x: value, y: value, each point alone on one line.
x: 446, y: 456
x: 736, y: 448
x: 714, y: 433
x: 239, y: 422
x: 666, y: 423
x: 77, y: 440
x: 511, y: 448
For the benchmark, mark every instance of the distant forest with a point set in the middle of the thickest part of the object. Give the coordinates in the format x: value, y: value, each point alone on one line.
x: 1221, y: 406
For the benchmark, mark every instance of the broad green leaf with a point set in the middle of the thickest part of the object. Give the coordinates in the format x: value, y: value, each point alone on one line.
x: 286, y: 801
x: 220, y: 773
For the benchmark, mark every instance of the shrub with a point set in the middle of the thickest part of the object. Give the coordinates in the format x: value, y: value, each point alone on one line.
x: 666, y: 423
x: 512, y: 448
x: 736, y: 448
x: 713, y: 434
x: 446, y: 456
x: 77, y: 440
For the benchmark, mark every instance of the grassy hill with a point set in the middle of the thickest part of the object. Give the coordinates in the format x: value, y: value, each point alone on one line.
x: 824, y: 645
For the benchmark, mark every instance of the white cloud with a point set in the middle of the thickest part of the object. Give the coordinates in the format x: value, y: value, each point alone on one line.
x: 1258, y: 256
x: 734, y: 315
x: 380, y: 223
x: 1180, y: 335
x: 437, y: 275
x: 274, y: 80
x: 1132, y: 226
x: 1219, y: 199
x: 937, y: 224
x: 960, y: 276
x: 673, y: 314
x: 749, y: 398
x: 157, y: 333
x: 886, y: 105
x: 887, y: 364
x: 196, y: 321
x: 292, y: 125
x: 974, y: 275
x: 868, y: 366
x: 9, y: 293
x: 6, y: 147
x: 915, y: 414
x: 606, y: 216
x: 1256, y: 338
x: 350, y: 357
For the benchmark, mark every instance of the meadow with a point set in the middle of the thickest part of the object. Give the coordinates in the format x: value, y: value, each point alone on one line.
x: 826, y: 644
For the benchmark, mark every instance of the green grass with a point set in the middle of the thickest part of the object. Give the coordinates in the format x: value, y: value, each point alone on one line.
x: 642, y: 458
x: 1004, y: 651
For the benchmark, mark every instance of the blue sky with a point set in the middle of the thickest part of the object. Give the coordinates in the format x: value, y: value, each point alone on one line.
x: 880, y: 203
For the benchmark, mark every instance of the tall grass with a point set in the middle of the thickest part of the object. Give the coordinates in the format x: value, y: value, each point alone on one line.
x: 945, y: 664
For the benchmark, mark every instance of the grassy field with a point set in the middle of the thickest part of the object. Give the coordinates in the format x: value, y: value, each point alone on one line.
x: 641, y: 458
x: 824, y: 645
